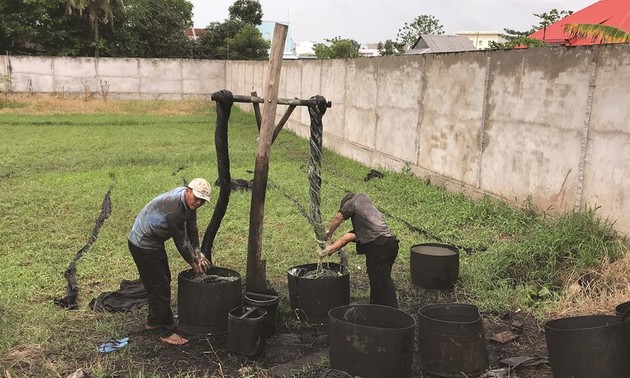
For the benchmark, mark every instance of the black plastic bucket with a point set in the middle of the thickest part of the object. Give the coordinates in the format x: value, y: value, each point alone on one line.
x: 267, y: 299
x: 451, y: 340
x: 589, y: 346
x: 371, y: 341
x: 246, y: 330
x: 434, y: 266
x: 203, y: 308
x: 310, y: 298
x: 622, y: 309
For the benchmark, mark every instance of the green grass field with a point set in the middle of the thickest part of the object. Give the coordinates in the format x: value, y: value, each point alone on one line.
x: 56, y: 167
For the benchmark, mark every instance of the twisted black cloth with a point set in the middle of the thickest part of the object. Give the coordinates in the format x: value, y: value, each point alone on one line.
x: 72, y: 288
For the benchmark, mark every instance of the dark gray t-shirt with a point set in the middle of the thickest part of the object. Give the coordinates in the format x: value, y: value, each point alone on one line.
x: 367, y: 221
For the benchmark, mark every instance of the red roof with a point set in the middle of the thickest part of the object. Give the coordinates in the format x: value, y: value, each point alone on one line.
x: 614, y: 13
x: 194, y: 33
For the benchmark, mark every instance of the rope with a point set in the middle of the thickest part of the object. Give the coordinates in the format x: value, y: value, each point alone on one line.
x: 316, y: 113
x: 314, y: 169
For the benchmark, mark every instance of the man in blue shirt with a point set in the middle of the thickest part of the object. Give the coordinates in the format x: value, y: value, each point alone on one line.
x: 374, y: 239
x: 169, y: 215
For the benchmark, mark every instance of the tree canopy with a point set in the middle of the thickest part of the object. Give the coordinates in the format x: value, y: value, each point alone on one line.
x: 42, y: 27
x: 247, y: 44
x: 135, y: 28
x: 337, y: 48
x: 237, y: 36
x: 423, y: 24
x: 246, y: 11
x: 152, y: 29
x: 98, y: 11
x: 390, y: 47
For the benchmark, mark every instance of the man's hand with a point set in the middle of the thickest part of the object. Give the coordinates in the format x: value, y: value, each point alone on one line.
x: 201, y: 263
x: 324, y: 252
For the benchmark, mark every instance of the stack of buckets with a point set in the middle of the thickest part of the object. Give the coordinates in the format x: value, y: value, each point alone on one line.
x: 451, y: 338
x: 203, y: 308
x: 251, y: 324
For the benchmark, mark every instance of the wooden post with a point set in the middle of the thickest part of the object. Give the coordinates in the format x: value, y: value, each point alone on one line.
x: 257, y: 111
x: 256, y: 274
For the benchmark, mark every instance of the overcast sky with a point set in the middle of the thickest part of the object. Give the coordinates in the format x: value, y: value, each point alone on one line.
x: 368, y: 21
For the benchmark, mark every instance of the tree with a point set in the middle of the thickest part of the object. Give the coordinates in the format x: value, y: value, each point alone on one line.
x: 247, y: 44
x: 423, y: 24
x: 41, y: 27
x: 337, y: 48
x: 246, y: 11
x: 212, y: 44
x: 228, y: 40
x: 144, y: 28
x: 516, y: 38
x: 151, y: 29
x: 390, y: 48
x: 98, y: 11
x: 603, y: 33
x: 547, y: 19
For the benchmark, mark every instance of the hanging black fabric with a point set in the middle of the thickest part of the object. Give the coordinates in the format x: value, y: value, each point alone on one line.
x: 224, y: 101
x: 72, y: 288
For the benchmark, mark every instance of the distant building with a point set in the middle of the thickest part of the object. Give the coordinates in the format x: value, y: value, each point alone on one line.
x: 194, y: 33
x: 369, y: 49
x: 615, y: 13
x: 428, y: 43
x: 482, y: 39
x: 266, y: 30
x: 305, y: 50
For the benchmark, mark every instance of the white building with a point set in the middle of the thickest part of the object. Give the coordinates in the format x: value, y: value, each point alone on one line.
x: 305, y: 49
x: 369, y: 49
x: 266, y: 29
x: 482, y: 39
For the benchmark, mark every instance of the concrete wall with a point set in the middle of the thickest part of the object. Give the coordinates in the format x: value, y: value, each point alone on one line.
x: 120, y: 78
x: 546, y: 124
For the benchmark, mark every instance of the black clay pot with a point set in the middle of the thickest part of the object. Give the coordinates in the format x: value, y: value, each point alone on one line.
x: 203, y: 307
x: 311, y: 298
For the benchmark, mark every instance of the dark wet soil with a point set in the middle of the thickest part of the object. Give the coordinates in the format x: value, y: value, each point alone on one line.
x: 302, y: 348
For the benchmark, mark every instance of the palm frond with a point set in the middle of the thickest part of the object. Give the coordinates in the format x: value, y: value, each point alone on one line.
x: 604, y: 33
x: 78, y: 5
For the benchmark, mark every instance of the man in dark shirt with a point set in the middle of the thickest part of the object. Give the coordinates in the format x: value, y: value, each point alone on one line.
x: 374, y: 239
x: 169, y: 215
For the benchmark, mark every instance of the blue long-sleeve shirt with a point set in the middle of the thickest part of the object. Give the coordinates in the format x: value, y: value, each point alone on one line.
x: 166, y: 216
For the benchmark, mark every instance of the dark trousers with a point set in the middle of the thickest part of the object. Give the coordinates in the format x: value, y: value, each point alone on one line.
x: 156, y: 277
x: 379, y: 258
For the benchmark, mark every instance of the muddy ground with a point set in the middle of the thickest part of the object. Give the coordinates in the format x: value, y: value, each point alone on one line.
x: 301, y: 350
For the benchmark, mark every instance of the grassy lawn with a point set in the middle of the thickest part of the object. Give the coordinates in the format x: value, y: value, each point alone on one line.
x: 59, y: 158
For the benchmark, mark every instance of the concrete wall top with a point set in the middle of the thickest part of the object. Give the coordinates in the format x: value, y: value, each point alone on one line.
x: 120, y: 77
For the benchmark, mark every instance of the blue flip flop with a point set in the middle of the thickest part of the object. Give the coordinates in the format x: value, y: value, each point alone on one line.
x: 113, y: 344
